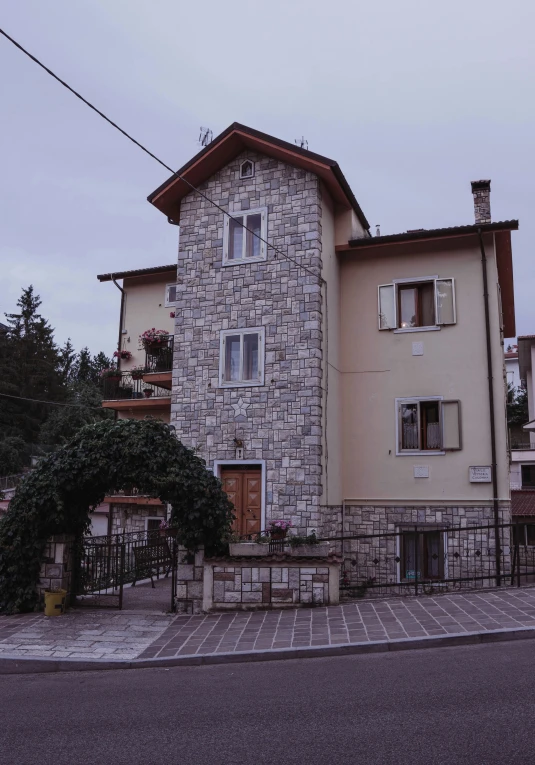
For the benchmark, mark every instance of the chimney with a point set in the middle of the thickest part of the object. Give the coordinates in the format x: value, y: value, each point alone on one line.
x: 481, y: 192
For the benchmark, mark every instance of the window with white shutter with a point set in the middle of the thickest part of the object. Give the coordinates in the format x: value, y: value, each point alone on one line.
x: 428, y: 425
x: 412, y: 305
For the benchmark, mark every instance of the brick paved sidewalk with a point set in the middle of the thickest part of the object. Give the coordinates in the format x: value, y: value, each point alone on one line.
x: 119, y: 635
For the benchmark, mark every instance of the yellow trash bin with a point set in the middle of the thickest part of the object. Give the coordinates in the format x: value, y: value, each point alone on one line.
x: 55, y: 602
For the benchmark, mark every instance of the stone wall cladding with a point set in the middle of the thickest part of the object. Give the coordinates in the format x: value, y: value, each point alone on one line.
x: 283, y: 420
x: 374, y: 558
x: 128, y: 518
x: 276, y: 585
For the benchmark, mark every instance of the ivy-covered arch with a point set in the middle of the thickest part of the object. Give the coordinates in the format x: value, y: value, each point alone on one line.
x: 58, y: 497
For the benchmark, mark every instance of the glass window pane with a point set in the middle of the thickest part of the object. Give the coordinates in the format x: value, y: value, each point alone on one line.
x: 433, y: 554
x: 232, y: 358
x: 387, y: 307
x: 254, y: 227
x: 427, y: 304
x: 409, y: 426
x: 528, y: 475
x: 408, y: 307
x: 431, y: 429
x: 235, y: 239
x: 530, y: 533
x: 445, y: 308
x: 250, y: 357
x: 171, y: 293
x: 408, y: 562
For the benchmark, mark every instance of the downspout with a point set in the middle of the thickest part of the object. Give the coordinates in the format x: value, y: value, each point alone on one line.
x: 491, y: 411
x: 123, y: 300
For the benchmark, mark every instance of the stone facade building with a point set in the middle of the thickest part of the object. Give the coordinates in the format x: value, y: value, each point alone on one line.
x: 330, y: 378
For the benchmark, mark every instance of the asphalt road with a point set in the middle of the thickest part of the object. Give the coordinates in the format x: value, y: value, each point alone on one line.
x: 452, y: 705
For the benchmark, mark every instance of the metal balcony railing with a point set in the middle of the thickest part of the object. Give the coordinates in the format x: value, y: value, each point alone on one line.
x: 159, y: 357
x: 126, y: 386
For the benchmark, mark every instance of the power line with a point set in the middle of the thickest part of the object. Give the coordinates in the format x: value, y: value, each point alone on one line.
x: 54, y: 403
x: 143, y: 148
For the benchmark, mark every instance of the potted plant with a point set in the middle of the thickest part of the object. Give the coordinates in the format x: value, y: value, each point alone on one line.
x: 279, y: 529
x: 248, y: 547
x: 154, y: 338
x: 111, y: 373
x: 308, y: 546
x: 163, y: 527
x: 137, y: 373
x: 126, y: 355
x: 147, y: 392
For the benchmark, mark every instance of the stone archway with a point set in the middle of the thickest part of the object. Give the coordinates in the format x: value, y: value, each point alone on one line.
x: 57, y: 498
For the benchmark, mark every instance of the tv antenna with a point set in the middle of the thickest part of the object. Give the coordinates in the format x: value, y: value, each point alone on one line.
x: 205, y: 136
x: 301, y: 142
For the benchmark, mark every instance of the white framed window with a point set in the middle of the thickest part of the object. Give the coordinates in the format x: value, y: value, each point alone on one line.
x: 170, y: 294
x: 241, y: 357
x: 247, y: 169
x: 413, y: 305
x: 430, y: 424
x: 244, y: 232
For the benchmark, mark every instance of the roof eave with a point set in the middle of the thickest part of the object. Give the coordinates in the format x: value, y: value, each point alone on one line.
x: 243, y: 134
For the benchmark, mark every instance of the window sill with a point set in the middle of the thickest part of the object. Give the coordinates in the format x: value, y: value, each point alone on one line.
x: 247, y: 384
x: 242, y: 261
x: 417, y: 329
x: 421, y: 453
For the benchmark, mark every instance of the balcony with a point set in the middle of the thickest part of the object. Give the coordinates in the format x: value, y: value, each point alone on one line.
x: 127, y: 391
x: 159, y: 363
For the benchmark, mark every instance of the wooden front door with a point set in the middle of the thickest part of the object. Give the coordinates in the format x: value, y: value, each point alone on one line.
x: 244, y: 489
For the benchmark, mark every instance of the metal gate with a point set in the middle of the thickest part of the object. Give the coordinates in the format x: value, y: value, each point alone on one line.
x: 104, y: 565
x: 99, y: 573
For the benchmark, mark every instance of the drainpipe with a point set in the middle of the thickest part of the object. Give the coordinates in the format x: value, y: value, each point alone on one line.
x: 491, y: 411
x: 123, y: 298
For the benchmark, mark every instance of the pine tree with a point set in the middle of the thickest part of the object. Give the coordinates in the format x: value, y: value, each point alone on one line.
x: 30, y: 369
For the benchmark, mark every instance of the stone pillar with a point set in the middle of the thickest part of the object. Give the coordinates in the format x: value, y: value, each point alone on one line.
x: 481, y: 192
x: 189, y: 583
x: 56, y: 569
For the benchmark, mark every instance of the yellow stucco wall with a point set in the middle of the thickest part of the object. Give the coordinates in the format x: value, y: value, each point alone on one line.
x: 145, y: 308
x: 378, y: 367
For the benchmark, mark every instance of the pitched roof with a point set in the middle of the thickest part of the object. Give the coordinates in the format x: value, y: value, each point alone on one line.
x: 137, y: 272
x: 3, y: 327
x: 231, y: 142
x: 430, y: 233
x: 523, y: 502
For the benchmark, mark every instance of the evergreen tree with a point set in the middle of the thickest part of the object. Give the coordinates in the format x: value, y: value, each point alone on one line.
x: 30, y: 369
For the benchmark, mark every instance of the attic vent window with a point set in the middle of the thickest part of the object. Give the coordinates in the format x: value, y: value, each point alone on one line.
x: 247, y: 169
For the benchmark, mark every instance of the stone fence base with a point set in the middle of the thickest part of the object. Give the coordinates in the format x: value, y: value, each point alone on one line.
x: 274, y: 581
x: 56, y: 570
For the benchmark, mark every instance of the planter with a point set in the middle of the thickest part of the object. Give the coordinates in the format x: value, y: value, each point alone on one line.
x: 163, y: 532
x: 252, y: 549
x: 148, y: 392
x: 310, y: 551
x: 278, y: 534
x: 137, y: 377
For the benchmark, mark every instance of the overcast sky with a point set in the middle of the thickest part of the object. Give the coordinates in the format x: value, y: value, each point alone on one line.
x: 414, y: 100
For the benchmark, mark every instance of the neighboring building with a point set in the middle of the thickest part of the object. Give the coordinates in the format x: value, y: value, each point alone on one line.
x: 523, y: 459
x: 512, y: 370
x: 143, y: 386
x: 343, y: 381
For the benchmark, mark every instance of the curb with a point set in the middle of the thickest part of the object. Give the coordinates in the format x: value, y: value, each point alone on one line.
x: 17, y: 665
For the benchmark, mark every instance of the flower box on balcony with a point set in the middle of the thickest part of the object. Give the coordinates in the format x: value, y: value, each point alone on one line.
x: 255, y: 549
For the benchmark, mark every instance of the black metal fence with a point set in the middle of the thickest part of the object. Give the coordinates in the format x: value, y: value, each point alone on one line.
x: 130, y: 386
x: 103, y: 565
x: 416, y: 560
x: 159, y: 357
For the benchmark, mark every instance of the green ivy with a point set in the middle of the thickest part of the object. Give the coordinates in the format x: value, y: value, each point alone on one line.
x: 58, y: 497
